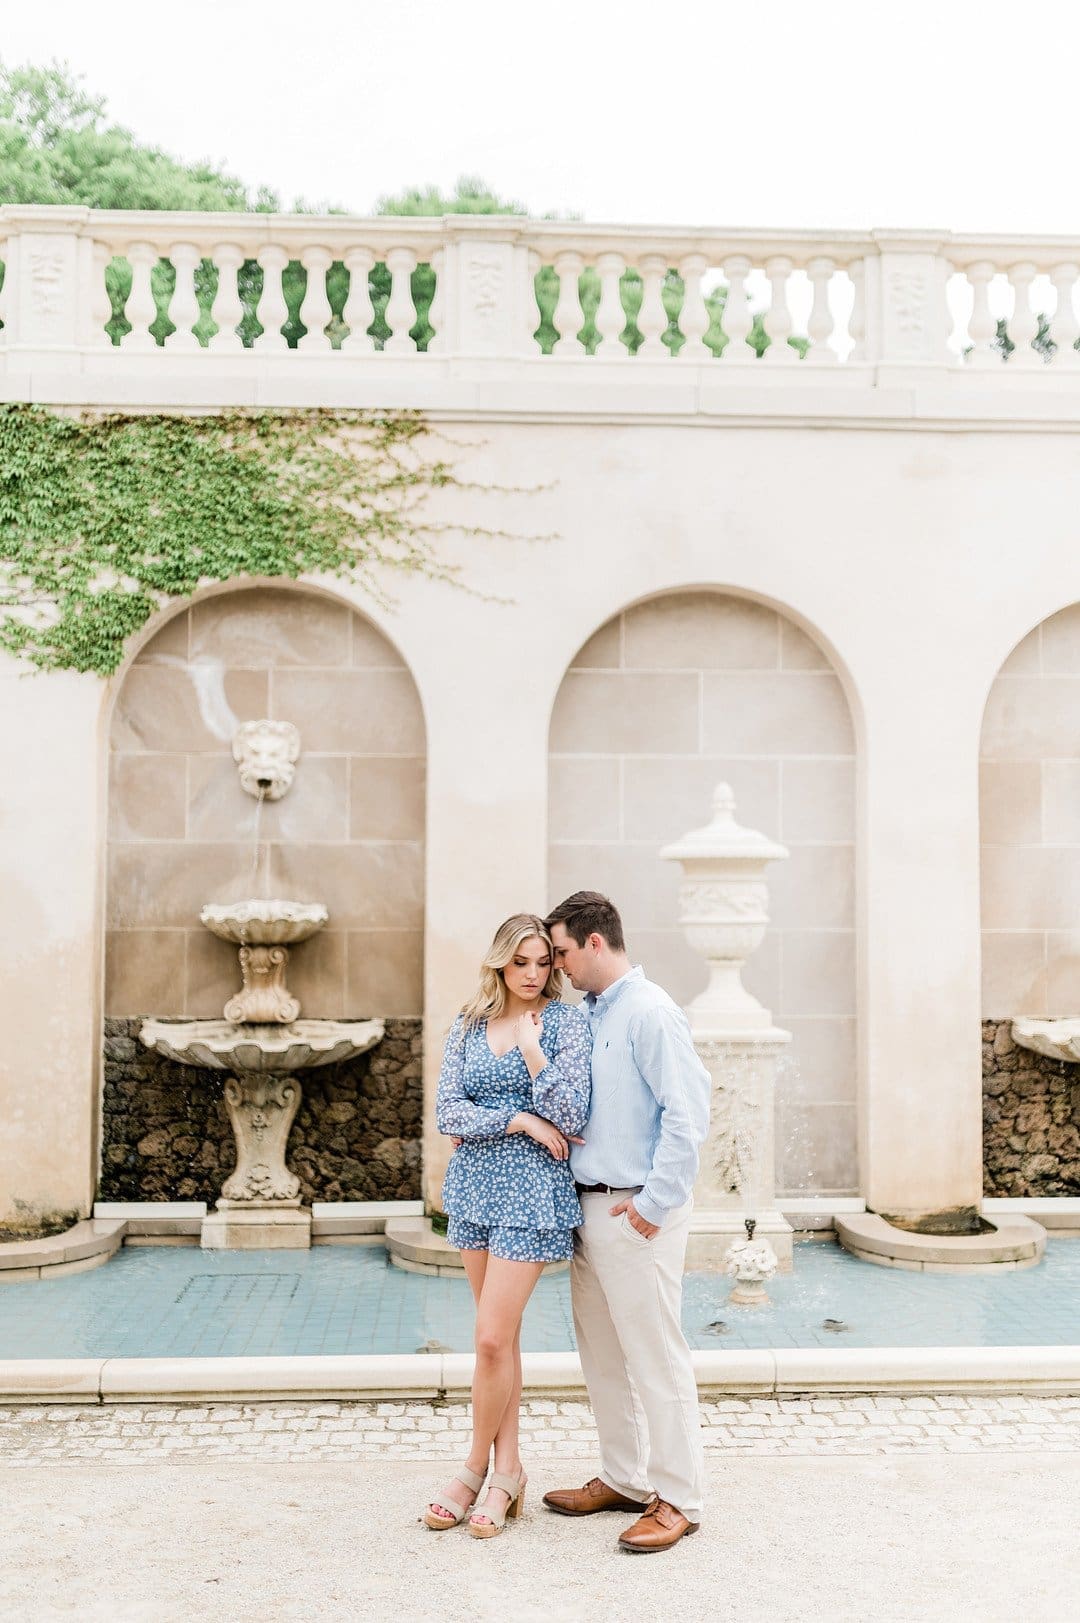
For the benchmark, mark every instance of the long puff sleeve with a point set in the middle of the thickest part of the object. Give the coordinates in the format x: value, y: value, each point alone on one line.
x: 561, y: 1090
x: 455, y: 1112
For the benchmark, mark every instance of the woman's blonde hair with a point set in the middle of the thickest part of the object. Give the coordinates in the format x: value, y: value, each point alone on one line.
x: 489, y: 999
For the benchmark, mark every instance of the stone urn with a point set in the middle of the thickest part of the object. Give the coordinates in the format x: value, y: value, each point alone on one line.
x: 751, y: 1262
x: 723, y: 908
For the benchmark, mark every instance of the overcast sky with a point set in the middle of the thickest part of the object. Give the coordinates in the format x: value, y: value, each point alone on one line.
x: 832, y: 113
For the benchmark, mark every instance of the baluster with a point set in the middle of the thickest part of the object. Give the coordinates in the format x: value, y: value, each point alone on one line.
x: 1023, y: 324
x: 272, y: 311
x: 820, y: 325
x: 437, y: 312
x: 693, y: 317
x: 778, y: 322
x: 5, y: 292
x: 227, y: 310
x: 1064, y: 328
x: 140, y: 310
x: 359, y: 313
x: 568, y: 317
x: 610, y: 315
x: 400, y: 310
x: 533, y: 315
x: 737, y: 318
x: 100, y: 305
x: 982, y: 328
x: 857, y: 323
x: 652, y: 317
x: 184, y: 306
x: 315, y: 311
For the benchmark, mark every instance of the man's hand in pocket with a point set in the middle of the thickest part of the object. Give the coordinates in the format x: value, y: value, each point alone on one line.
x: 635, y: 1219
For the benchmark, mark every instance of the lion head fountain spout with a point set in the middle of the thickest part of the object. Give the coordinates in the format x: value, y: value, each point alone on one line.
x: 266, y: 753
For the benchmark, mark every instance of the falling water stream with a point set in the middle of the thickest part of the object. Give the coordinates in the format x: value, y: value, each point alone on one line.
x: 264, y: 892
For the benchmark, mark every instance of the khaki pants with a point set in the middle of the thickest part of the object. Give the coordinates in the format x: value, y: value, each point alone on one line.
x: 626, y: 1294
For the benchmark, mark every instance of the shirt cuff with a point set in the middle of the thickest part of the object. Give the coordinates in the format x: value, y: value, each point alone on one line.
x: 647, y: 1208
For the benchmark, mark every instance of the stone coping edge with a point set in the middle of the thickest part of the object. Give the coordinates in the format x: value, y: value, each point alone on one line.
x: 761, y: 1373
x: 1014, y: 1241
x: 88, y: 1242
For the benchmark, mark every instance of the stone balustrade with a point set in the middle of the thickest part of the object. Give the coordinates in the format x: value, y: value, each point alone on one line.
x: 139, y: 301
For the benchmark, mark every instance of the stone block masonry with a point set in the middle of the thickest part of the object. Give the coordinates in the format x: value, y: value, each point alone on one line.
x: 166, y: 1134
x: 1031, y: 1119
x: 276, y: 1433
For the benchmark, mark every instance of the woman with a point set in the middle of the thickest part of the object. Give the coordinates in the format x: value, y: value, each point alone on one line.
x: 514, y: 1094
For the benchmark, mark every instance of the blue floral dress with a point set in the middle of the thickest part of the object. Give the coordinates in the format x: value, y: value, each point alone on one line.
x: 504, y: 1193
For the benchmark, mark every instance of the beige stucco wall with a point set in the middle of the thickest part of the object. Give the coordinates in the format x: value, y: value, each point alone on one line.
x: 348, y: 833
x: 1030, y: 826
x: 918, y: 558
x: 665, y: 701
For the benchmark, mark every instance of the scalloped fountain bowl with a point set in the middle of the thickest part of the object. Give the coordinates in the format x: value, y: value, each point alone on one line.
x: 1056, y: 1039
x: 222, y: 1045
x: 265, y: 923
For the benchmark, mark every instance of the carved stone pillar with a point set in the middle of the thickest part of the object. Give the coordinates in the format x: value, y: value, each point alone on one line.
x: 260, y: 1199
x: 723, y: 909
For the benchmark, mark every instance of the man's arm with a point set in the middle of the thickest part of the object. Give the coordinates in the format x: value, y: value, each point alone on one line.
x: 665, y: 1056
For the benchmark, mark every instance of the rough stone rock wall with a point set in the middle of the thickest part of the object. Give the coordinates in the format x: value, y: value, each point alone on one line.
x: 1031, y: 1119
x: 166, y: 1134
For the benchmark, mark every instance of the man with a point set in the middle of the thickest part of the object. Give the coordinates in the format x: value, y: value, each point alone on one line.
x: 634, y: 1173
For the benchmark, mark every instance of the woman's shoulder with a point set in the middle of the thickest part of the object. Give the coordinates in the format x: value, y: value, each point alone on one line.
x: 568, y: 1016
x: 459, y: 1031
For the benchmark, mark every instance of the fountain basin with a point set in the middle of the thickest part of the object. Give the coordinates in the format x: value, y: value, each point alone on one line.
x: 1012, y: 1241
x: 264, y: 923
x: 221, y: 1045
x: 1057, y: 1039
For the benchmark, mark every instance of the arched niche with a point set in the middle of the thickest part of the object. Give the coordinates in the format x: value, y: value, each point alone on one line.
x: 1029, y: 832
x: 1029, y: 826
x: 668, y: 698
x: 349, y: 833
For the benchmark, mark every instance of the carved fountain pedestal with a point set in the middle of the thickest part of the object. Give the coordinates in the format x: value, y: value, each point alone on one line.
x: 724, y: 911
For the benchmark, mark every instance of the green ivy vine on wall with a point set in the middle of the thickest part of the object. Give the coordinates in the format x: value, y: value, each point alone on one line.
x: 105, y: 518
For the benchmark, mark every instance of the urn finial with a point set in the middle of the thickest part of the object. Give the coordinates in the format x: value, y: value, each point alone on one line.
x: 723, y: 907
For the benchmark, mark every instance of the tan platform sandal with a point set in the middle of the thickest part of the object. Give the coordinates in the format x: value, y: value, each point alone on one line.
x: 440, y: 1524
x: 496, y: 1520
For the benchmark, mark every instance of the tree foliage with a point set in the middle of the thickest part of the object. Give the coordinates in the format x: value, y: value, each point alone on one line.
x: 471, y: 195
x: 57, y: 146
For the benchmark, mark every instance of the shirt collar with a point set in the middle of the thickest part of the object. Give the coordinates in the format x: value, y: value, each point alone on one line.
x: 598, y: 1003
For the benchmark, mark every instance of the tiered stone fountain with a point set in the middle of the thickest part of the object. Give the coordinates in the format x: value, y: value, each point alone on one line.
x: 261, y: 1041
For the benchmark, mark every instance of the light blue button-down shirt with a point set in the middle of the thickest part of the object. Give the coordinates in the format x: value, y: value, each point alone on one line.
x: 650, y: 1097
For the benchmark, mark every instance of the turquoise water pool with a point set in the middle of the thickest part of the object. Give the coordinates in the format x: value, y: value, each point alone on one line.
x: 182, y: 1302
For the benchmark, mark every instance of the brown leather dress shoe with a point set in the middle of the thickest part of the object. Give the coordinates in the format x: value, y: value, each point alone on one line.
x: 594, y: 1496
x: 660, y: 1527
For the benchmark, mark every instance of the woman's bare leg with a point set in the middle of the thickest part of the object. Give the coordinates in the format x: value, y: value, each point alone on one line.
x: 475, y: 1263
x: 506, y: 1289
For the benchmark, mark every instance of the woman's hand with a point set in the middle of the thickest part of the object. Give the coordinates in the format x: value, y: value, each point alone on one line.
x: 528, y: 1030
x: 545, y: 1133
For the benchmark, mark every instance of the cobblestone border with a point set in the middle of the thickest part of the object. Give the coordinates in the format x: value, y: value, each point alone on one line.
x: 127, y: 1434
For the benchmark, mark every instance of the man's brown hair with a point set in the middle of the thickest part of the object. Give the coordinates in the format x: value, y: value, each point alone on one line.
x: 586, y: 913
